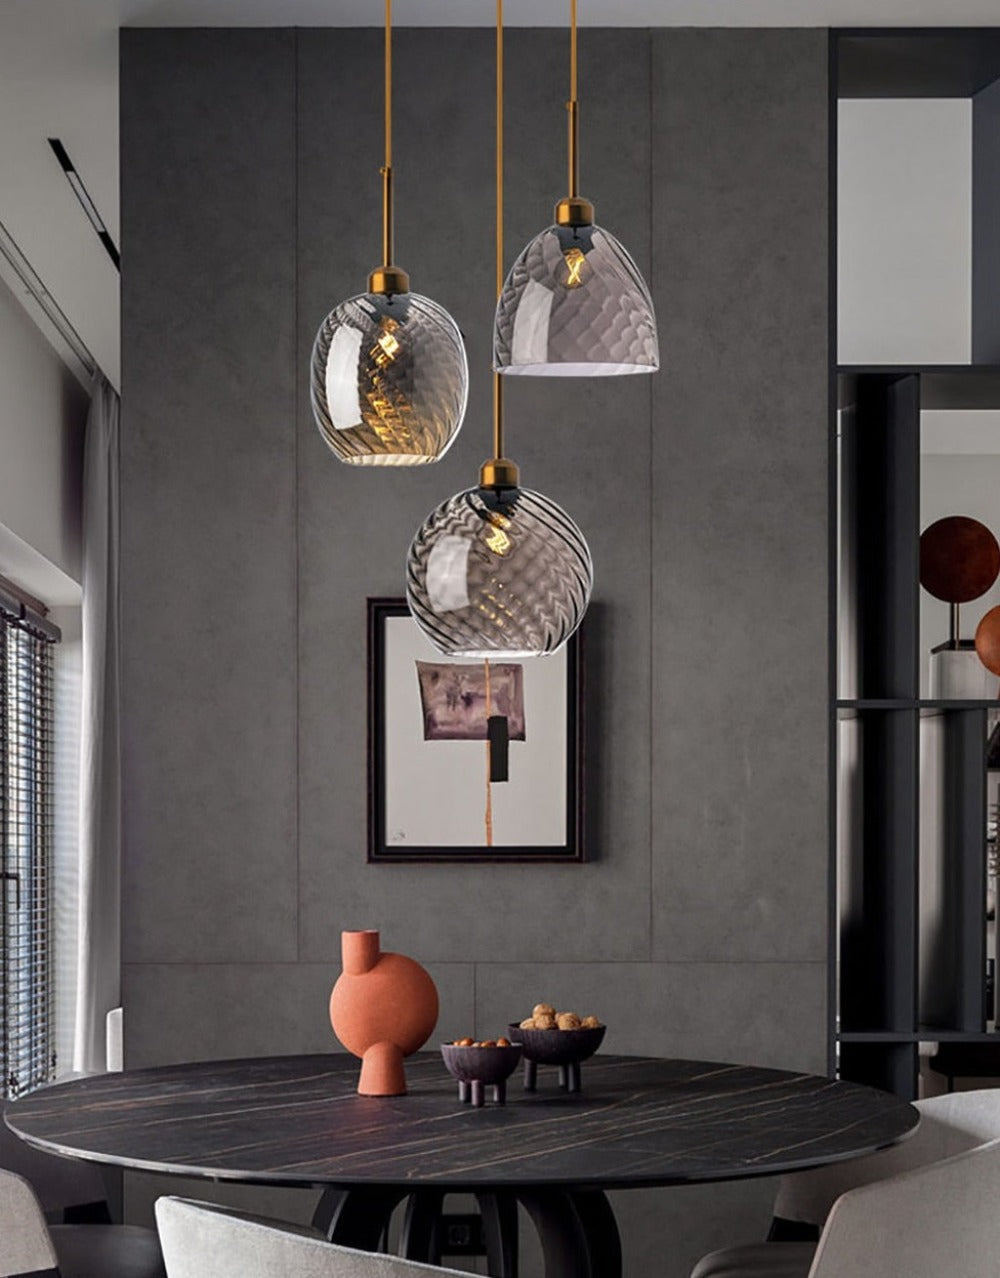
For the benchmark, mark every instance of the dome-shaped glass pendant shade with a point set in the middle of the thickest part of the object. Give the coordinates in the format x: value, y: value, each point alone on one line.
x: 575, y: 305
x: 498, y: 572
x: 389, y: 380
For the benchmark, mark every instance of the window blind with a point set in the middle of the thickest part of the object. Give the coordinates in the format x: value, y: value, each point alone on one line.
x: 27, y: 1055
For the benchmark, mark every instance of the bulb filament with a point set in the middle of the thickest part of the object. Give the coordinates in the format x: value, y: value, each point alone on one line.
x: 497, y: 539
x: 574, y: 263
x: 386, y: 345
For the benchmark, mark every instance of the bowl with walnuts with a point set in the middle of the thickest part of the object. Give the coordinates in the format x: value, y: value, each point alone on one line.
x: 478, y: 1064
x: 551, y: 1037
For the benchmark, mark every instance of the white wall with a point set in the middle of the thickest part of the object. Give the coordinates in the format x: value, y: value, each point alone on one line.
x: 904, y: 231
x: 42, y: 415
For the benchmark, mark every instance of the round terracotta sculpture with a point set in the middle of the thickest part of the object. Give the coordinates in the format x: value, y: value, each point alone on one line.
x: 988, y: 640
x: 383, y: 1007
x: 959, y: 559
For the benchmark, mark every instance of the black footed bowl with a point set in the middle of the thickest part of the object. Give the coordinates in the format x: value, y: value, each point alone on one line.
x: 556, y: 1046
x: 481, y: 1064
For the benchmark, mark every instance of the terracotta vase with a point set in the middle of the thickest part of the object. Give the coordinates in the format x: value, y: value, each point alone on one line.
x: 383, y: 1007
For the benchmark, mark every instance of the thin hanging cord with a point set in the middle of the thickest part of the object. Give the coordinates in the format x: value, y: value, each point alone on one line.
x: 572, y: 106
x: 387, y: 220
x: 497, y: 380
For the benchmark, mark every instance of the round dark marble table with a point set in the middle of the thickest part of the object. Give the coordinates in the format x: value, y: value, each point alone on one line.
x: 297, y: 1120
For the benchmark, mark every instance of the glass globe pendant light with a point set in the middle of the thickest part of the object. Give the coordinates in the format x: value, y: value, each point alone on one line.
x: 574, y: 303
x: 389, y: 378
x: 498, y: 570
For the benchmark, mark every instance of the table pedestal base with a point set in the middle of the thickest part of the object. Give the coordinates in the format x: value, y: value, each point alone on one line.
x: 577, y: 1228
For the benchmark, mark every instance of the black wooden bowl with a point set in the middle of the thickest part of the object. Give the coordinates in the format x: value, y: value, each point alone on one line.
x: 565, y: 1048
x: 479, y: 1067
x: 556, y: 1046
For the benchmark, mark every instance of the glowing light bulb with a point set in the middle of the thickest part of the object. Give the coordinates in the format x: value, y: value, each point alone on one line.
x: 574, y: 263
x: 497, y: 538
x: 387, y: 343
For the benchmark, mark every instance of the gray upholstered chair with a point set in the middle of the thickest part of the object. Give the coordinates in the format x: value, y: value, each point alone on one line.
x: 939, y: 1219
x: 204, y: 1241
x: 948, y: 1125
x: 68, y: 1190
x: 25, y: 1244
x: 951, y: 1129
x: 72, y: 1196
x: 29, y: 1245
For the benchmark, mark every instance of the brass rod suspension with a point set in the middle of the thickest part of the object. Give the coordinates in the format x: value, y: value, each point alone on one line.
x: 497, y: 380
x: 387, y: 216
x: 388, y: 278
x: 573, y: 107
x: 499, y: 472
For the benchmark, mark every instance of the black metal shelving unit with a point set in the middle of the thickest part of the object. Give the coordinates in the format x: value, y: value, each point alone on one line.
x: 884, y: 1009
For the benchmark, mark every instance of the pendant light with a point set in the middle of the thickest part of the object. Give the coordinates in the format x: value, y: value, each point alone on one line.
x: 389, y: 377
x: 574, y: 303
x: 498, y: 570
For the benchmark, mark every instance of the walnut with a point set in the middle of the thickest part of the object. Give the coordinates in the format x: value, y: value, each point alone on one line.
x: 528, y: 1024
x: 590, y: 1022
x: 543, y: 1009
x: 568, y: 1021
x: 545, y: 1021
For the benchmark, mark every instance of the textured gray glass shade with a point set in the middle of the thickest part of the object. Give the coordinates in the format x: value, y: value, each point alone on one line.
x: 575, y: 305
x: 389, y: 380
x: 498, y: 572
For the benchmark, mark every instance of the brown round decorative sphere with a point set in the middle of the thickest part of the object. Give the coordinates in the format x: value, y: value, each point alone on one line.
x: 988, y: 640
x: 959, y: 559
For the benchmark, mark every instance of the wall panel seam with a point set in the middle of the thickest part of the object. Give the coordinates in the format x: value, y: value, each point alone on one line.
x: 650, y: 516
x: 298, y: 569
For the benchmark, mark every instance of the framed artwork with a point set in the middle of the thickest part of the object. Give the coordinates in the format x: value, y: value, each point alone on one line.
x: 470, y: 760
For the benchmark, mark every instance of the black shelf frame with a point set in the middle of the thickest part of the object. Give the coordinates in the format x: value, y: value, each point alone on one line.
x: 925, y: 1034
x: 916, y: 62
x: 885, y: 1010
x: 925, y: 706
x: 941, y: 385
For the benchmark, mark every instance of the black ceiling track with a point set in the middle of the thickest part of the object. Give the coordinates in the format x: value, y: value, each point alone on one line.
x: 86, y: 203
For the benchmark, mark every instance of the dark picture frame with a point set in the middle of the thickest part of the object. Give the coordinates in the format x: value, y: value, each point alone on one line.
x: 381, y: 716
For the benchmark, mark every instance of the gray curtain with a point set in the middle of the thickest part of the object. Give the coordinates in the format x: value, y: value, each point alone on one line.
x: 98, y: 987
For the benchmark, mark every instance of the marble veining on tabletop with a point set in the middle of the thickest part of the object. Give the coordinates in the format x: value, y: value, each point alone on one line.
x: 299, y: 1121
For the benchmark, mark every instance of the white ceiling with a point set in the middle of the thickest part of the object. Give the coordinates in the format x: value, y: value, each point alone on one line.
x: 59, y: 77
